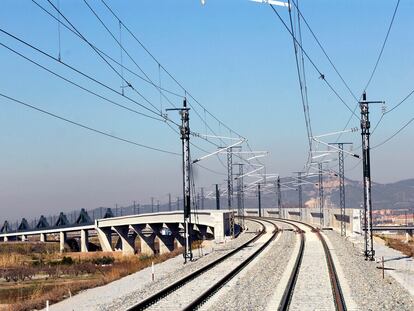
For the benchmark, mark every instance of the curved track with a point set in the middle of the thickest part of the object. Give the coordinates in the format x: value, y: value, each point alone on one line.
x: 216, y: 274
x: 286, y: 300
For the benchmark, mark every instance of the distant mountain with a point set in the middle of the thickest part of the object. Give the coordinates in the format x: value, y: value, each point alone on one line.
x: 384, y: 196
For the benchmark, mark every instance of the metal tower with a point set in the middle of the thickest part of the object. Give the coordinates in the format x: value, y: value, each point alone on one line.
x: 260, y: 199
x: 321, y: 195
x: 185, y: 138
x: 341, y: 175
x: 230, y: 188
x: 240, y: 196
x: 300, y: 194
x: 279, y: 197
x: 365, y: 125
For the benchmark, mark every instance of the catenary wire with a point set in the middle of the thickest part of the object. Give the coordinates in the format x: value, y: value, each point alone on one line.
x: 87, y: 127
x: 166, y: 71
x: 126, y: 52
x: 321, y: 75
x: 78, y: 85
x: 128, y: 84
x: 106, y: 55
x: 393, y: 135
x: 383, y: 46
x: 324, y: 51
x: 77, y: 71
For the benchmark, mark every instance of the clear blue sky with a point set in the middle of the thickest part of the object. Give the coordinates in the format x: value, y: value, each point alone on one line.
x: 234, y: 56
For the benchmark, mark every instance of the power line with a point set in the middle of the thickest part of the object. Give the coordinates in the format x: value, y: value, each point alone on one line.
x: 165, y: 70
x: 78, y: 85
x: 77, y: 71
x: 159, y: 65
x: 171, y: 76
x: 88, y: 127
x: 383, y: 46
x: 123, y: 49
x: 128, y: 84
x: 106, y: 55
x: 302, y: 82
x: 323, y: 50
x: 401, y: 102
x: 375, y: 68
x: 393, y: 135
x: 392, y: 109
x: 321, y: 75
x: 210, y: 170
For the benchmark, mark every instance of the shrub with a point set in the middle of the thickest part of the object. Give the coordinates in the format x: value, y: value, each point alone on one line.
x: 105, y: 260
x: 66, y: 260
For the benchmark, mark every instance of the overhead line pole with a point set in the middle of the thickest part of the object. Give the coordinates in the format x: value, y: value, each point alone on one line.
x: 279, y: 197
x: 186, y: 164
x: 369, y: 251
x: 321, y: 196
x: 300, y: 194
x: 240, y: 196
x: 341, y: 175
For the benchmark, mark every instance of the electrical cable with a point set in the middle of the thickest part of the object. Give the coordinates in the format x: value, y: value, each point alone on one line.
x: 166, y: 71
x: 159, y: 65
x: 324, y: 51
x: 78, y: 85
x: 321, y: 75
x: 383, y: 46
x: 105, y: 54
x: 393, y: 135
x: 126, y: 52
x: 301, y: 83
x: 87, y: 127
x: 77, y: 71
x: 128, y: 84
x: 392, y: 109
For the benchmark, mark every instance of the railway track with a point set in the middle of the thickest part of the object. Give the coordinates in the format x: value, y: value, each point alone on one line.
x: 189, y: 293
x: 293, y: 298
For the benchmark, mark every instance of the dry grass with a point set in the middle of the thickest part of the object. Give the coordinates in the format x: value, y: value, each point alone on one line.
x: 398, y: 243
x: 12, y: 260
x: 57, y: 289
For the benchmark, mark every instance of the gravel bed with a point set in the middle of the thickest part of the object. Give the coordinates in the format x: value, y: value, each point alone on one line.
x: 145, y: 290
x: 369, y: 290
x: 255, y: 287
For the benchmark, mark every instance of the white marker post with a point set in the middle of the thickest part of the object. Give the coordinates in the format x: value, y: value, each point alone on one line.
x: 152, y: 271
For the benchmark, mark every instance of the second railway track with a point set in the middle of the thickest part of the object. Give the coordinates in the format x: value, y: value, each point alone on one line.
x: 313, y: 282
x: 189, y: 293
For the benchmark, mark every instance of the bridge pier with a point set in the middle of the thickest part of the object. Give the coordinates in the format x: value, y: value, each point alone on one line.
x: 408, y: 235
x: 42, y: 237
x: 147, y: 237
x: 24, y: 238
x: 177, y: 231
x: 84, y: 240
x: 105, y: 238
x: 62, y: 241
x: 165, y: 239
x: 127, y: 246
x: 5, y: 239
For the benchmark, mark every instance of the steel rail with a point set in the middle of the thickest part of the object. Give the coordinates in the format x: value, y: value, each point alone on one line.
x: 288, y: 293
x: 337, y: 293
x: 149, y: 301
x: 194, y: 305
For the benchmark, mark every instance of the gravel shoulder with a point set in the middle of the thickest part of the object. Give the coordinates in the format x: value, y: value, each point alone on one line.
x: 368, y: 289
x: 121, y: 294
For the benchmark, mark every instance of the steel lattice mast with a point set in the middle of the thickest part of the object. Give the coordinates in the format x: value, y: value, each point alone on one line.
x: 185, y: 138
x: 230, y: 188
x: 279, y: 197
x: 240, y: 196
x: 366, y: 162
x: 321, y: 196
